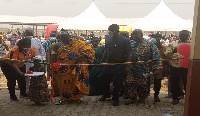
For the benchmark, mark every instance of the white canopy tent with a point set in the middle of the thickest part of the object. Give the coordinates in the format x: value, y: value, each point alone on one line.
x: 10, y: 19
x: 26, y: 21
x: 90, y: 19
x: 162, y: 19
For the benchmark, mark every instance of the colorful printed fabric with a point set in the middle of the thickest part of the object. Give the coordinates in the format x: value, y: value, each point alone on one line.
x: 99, y: 39
x: 141, y: 52
x: 2, y: 50
x: 15, y: 54
x: 73, y: 81
x: 96, y: 74
x: 39, y: 89
x: 47, y: 43
x: 171, y: 52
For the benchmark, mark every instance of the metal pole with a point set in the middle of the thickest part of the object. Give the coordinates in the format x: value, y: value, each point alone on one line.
x: 12, y: 29
x: 33, y: 30
x: 44, y: 31
x: 36, y: 30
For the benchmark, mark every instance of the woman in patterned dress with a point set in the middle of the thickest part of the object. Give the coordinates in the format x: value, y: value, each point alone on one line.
x: 72, y: 79
x: 96, y: 87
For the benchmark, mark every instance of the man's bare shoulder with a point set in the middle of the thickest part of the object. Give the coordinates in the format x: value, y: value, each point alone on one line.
x: 56, y: 45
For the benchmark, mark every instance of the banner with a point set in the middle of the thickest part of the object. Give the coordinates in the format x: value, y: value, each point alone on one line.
x: 49, y: 29
x: 123, y: 28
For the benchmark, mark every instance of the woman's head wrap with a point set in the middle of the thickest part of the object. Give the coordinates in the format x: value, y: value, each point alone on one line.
x: 153, y: 40
x: 87, y: 41
x: 52, y: 39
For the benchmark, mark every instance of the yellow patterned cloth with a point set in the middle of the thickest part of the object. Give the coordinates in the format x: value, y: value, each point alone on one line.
x: 73, y: 81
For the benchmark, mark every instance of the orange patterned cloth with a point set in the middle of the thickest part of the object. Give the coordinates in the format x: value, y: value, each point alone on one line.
x: 15, y: 54
x: 73, y: 81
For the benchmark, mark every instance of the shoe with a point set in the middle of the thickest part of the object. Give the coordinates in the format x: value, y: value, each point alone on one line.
x: 140, y: 100
x: 115, y: 103
x: 174, y: 102
x: 13, y: 99
x: 168, y: 96
x: 181, y: 97
x: 156, y: 99
x: 103, y: 98
x: 127, y: 102
x: 24, y: 96
x: 16, y: 87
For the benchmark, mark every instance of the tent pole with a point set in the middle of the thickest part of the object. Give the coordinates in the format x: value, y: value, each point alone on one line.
x: 12, y: 29
x: 22, y: 27
x: 45, y: 32
x: 33, y: 30
x: 36, y: 30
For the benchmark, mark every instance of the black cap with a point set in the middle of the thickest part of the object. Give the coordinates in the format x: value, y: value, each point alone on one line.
x: 184, y: 32
x: 113, y: 27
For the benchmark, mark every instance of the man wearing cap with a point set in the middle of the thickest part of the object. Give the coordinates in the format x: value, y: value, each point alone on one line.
x: 117, y: 50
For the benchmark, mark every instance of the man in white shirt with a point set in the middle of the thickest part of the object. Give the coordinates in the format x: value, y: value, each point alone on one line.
x: 39, y: 51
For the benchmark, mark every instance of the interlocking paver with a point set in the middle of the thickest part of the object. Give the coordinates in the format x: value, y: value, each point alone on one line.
x: 89, y: 106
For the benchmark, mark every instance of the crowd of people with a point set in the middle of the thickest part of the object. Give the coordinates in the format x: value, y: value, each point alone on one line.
x: 115, y: 66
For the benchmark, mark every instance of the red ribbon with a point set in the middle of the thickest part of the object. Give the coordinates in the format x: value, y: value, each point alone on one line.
x: 54, y: 67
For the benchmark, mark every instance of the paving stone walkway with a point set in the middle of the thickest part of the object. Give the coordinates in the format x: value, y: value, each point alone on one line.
x: 89, y: 106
